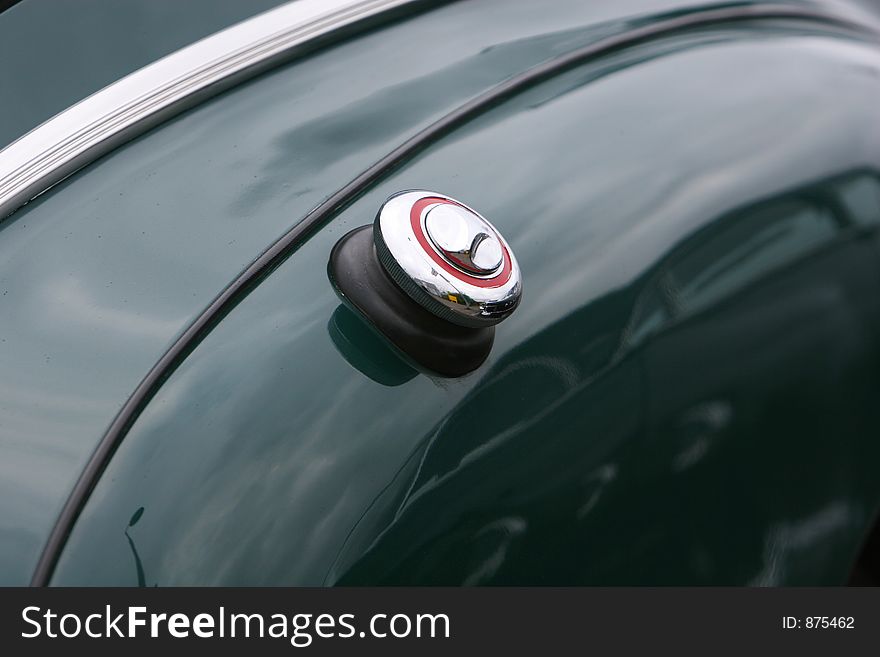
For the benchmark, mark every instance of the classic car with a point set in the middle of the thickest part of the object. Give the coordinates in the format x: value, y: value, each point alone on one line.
x: 345, y: 292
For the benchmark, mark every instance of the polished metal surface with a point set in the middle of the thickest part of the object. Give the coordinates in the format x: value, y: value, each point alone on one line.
x: 127, y: 108
x: 448, y: 258
x: 464, y: 239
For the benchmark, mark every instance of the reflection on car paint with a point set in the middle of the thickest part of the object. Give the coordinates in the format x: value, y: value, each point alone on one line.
x: 577, y: 454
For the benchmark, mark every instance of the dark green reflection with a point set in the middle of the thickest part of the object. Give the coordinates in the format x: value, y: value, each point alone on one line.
x: 366, y: 351
x: 99, y: 274
x: 640, y: 405
x: 687, y: 393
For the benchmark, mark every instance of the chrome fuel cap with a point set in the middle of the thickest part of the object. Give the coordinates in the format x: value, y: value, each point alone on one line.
x: 464, y: 239
x: 448, y: 258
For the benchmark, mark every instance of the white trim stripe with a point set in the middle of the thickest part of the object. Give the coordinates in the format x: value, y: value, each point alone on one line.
x: 129, y: 107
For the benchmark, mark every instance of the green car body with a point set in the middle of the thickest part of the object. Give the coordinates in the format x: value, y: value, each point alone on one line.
x: 689, y: 392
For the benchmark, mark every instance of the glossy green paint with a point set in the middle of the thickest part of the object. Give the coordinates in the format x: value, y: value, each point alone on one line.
x: 101, y: 273
x: 687, y: 394
x: 54, y: 53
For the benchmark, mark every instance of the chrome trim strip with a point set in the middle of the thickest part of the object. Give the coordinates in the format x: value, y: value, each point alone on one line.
x: 129, y: 107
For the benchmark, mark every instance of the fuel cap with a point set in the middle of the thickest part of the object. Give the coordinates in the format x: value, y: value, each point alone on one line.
x: 448, y: 258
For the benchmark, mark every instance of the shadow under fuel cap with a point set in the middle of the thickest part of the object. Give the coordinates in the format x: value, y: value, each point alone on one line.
x: 432, y: 276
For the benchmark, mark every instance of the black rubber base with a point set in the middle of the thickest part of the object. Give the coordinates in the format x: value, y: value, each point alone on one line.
x: 428, y: 341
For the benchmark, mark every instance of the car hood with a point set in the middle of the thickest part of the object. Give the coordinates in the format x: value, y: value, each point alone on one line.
x: 100, y: 274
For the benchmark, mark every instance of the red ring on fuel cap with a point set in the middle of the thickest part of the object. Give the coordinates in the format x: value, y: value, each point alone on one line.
x: 415, y: 217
